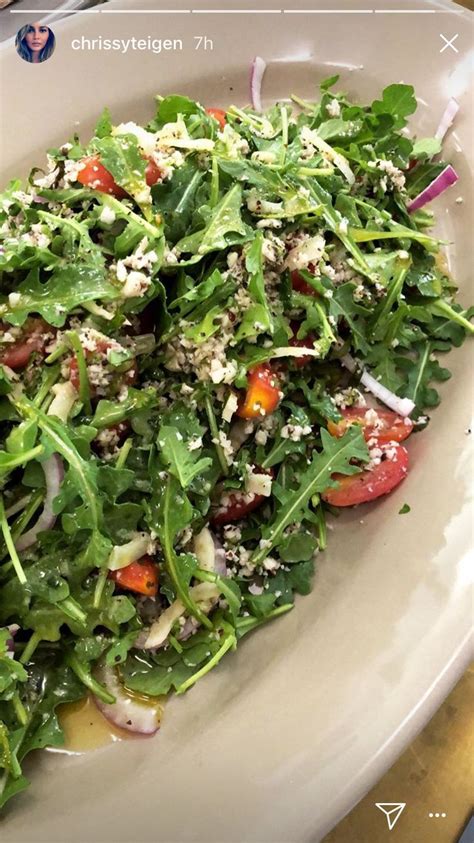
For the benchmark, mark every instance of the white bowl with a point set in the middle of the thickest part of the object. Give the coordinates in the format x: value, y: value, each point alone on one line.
x: 287, y: 734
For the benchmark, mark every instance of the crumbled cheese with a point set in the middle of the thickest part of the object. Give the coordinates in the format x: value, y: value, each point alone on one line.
x: 22, y: 197
x: 333, y: 108
x: 169, y: 256
x: 48, y: 180
x: 14, y: 299
x: 232, y: 533
x: 235, y: 145
x: 71, y: 171
x: 121, y: 272
x: 256, y: 589
x: 261, y: 437
x: 195, y: 443
x: 226, y: 445
x: 295, y: 431
x: 136, y: 285
x: 36, y: 237
x: 257, y: 483
x: 392, y: 173
x: 343, y: 226
x: 107, y: 215
x: 271, y: 564
x: 350, y: 397
x: 243, y: 559
x: 230, y: 407
x: 223, y: 373
x: 146, y: 140
x: 310, y: 250
x: 272, y: 249
x: 269, y: 223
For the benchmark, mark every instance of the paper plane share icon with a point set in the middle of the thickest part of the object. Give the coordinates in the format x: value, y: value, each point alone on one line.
x: 392, y: 811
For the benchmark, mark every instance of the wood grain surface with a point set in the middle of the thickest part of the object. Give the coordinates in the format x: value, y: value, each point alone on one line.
x: 434, y: 775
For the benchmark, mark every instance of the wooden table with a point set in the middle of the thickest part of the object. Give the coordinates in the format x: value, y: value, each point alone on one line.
x: 434, y: 775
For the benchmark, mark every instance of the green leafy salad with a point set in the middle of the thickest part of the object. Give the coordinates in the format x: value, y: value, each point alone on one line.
x: 215, y: 330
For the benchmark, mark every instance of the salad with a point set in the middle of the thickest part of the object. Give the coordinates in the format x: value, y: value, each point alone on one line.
x: 216, y: 330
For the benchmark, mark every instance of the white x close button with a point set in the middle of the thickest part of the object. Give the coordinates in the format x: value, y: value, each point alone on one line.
x: 449, y: 42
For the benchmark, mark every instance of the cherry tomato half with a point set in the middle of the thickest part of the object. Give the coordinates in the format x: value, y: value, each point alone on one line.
x: 95, y: 175
x: 300, y: 285
x: 238, y: 504
x: 382, y: 425
x: 306, y: 342
x: 263, y: 394
x: 218, y: 115
x: 153, y: 173
x: 140, y: 576
x: 369, y: 485
x: 17, y: 355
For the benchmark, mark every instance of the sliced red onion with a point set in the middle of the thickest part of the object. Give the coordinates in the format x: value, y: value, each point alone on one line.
x: 257, y: 70
x: 54, y: 473
x: 190, y: 627
x: 12, y: 629
x: 402, y: 406
x: 220, y: 561
x: 205, y: 594
x: 447, y: 119
x: 446, y: 178
x: 127, y: 712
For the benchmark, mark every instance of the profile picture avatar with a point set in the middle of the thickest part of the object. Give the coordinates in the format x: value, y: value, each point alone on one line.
x: 35, y: 42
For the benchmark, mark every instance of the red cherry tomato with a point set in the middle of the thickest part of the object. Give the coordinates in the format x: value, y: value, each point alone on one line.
x: 306, y: 342
x: 238, y: 504
x: 382, y: 425
x: 140, y: 576
x: 95, y: 175
x: 300, y: 285
x: 153, y: 173
x: 263, y: 394
x: 17, y: 355
x: 218, y: 115
x: 369, y: 485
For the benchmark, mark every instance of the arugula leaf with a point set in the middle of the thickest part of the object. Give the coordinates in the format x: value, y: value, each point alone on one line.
x: 225, y: 227
x: 342, y: 306
x: 121, y: 156
x: 426, y: 148
x: 335, y: 458
x: 180, y: 461
x: 420, y: 373
x: 285, y: 583
x: 168, y: 512
x: 83, y: 474
x: 398, y: 100
x: 178, y: 199
x: 104, y: 125
x: 171, y: 106
x: 200, y: 293
x: 55, y: 298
